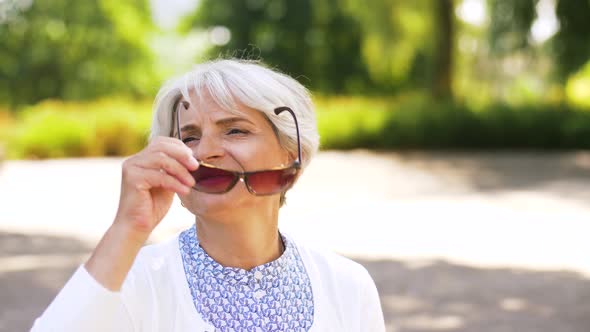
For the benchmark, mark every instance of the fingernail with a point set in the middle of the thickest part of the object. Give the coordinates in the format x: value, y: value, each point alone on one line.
x: 193, y: 161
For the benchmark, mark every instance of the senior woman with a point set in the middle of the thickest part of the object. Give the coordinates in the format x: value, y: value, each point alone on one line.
x: 230, y: 138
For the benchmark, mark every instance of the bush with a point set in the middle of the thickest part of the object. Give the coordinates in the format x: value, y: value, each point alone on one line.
x: 351, y: 122
x: 421, y: 123
x: 119, y: 127
x: 55, y: 129
x: 6, y: 123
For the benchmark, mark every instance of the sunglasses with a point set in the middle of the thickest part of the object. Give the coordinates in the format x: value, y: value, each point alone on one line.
x: 214, y: 180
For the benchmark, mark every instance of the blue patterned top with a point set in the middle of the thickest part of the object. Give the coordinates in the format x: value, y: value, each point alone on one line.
x: 275, y: 296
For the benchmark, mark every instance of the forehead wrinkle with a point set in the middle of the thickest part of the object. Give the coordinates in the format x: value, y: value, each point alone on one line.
x: 208, y: 105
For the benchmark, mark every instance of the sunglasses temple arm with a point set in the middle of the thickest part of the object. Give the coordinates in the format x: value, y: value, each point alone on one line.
x: 278, y: 111
x: 175, y: 110
x: 174, y: 117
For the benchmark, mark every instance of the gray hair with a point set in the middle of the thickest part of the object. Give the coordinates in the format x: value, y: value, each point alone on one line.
x: 230, y: 82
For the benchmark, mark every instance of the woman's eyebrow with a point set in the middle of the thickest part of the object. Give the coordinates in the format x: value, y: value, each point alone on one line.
x: 190, y: 127
x: 221, y: 122
x: 232, y: 120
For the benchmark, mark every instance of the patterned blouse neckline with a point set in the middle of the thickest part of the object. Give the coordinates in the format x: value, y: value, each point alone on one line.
x: 215, y: 268
x: 275, y: 296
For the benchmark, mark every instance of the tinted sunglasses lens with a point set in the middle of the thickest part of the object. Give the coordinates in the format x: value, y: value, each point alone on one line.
x: 271, y: 182
x: 213, y: 180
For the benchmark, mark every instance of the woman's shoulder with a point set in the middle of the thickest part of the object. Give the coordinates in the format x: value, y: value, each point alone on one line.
x: 156, y: 287
x: 154, y: 272
x: 154, y: 265
x: 344, y: 289
x: 159, y: 249
x: 330, y: 265
x: 156, y: 256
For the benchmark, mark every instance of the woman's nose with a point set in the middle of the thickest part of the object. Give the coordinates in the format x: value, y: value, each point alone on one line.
x: 209, y: 148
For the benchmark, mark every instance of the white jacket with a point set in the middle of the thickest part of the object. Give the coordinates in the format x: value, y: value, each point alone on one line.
x: 155, y: 297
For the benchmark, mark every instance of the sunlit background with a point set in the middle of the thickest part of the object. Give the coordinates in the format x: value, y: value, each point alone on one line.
x: 454, y: 137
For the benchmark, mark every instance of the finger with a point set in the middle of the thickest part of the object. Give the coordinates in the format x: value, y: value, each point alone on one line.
x: 161, y: 161
x: 155, y: 179
x: 175, y: 149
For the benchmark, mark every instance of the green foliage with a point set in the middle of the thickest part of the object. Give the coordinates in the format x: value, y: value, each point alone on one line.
x: 314, y: 41
x: 54, y: 135
x: 53, y: 129
x: 511, y: 24
x: 578, y: 88
x: 421, y: 123
x: 570, y: 47
x: 75, y: 50
x: 398, y: 39
x: 6, y: 125
x: 572, y: 42
x: 350, y: 122
x: 119, y: 127
x: 336, y: 46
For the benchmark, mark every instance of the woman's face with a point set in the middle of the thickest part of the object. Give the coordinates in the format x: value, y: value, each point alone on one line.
x: 244, y: 142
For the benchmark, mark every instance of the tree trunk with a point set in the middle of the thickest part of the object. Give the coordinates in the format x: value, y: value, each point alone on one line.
x: 443, y: 58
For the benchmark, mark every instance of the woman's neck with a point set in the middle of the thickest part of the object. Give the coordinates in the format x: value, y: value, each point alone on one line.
x: 244, y: 244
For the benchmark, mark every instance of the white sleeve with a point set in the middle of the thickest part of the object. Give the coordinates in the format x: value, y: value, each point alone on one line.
x: 84, y: 305
x: 372, y: 318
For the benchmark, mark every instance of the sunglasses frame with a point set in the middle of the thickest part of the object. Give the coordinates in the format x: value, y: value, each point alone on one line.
x: 244, y: 176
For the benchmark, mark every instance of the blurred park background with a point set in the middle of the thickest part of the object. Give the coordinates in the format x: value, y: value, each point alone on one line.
x: 386, y: 74
x: 469, y: 118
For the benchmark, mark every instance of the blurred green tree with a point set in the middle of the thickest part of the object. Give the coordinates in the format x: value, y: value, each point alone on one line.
x: 510, y: 27
x: 395, y: 37
x: 510, y: 31
x: 408, y: 44
x: 571, y: 43
x: 315, y: 41
x: 73, y: 49
x: 443, y: 54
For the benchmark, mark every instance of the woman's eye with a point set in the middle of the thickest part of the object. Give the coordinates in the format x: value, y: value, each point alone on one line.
x: 235, y: 131
x: 189, y: 139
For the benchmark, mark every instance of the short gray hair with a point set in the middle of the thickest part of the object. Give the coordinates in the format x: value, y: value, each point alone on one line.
x: 250, y: 83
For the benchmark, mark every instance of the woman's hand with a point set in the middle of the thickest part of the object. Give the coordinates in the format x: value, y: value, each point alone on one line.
x: 150, y: 179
